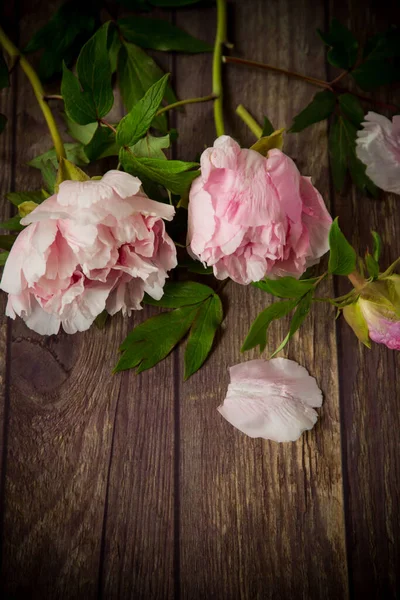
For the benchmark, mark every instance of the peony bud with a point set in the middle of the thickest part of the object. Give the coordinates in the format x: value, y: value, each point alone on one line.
x: 376, y: 314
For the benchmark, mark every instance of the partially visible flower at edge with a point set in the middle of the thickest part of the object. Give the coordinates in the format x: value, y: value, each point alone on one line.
x: 378, y: 147
x: 251, y: 216
x: 271, y: 399
x: 376, y: 314
x: 95, y: 245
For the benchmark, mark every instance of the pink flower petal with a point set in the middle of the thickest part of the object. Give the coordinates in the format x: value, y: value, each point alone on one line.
x: 271, y: 399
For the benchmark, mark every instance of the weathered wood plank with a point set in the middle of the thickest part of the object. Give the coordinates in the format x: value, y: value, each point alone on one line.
x: 61, y: 416
x: 261, y: 520
x: 370, y: 389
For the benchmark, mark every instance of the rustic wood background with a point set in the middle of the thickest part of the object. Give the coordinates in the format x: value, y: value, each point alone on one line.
x: 135, y: 487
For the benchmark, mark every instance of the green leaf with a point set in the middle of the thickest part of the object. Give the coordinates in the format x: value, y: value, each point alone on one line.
x: 4, y: 77
x: 136, y: 123
x: 343, y: 45
x: 320, y: 108
x: 3, y: 122
x: 286, y: 287
x: 6, y: 241
x: 63, y: 35
x: 157, y: 34
x: 151, y: 147
x: 302, y: 310
x: 372, y: 266
x: 79, y: 105
x: 94, y: 72
x: 68, y: 171
x: 25, y: 208
x: 375, y: 73
x: 114, y: 46
x: 49, y: 174
x: 377, y: 247
x: 267, y: 143
x: 12, y: 224
x: 81, y: 133
x: 102, y: 144
x: 202, y: 333
x: 184, y: 293
x: 175, y: 175
x: 3, y: 258
x: 342, y: 257
x: 257, y: 335
x: 18, y: 198
x: 194, y: 266
x: 151, y: 341
x: 172, y: 3
x: 268, y: 128
x: 75, y: 153
x: 136, y: 73
x: 351, y: 108
x: 348, y: 134
x: 101, y: 319
x: 338, y: 153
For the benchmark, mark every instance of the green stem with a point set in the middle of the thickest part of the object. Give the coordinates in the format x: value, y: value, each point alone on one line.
x: 220, y: 39
x: 187, y: 101
x: 38, y: 90
x: 249, y: 120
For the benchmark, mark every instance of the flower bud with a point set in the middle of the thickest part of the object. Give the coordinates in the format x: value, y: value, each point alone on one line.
x: 376, y: 314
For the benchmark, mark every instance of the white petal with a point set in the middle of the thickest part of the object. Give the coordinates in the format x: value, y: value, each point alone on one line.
x: 123, y: 184
x: 271, y: 399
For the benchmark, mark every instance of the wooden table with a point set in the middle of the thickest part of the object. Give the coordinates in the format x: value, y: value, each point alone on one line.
x: 133, y: 486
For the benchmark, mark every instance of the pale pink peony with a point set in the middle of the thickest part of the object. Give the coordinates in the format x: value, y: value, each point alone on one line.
x: 383, y: 325
x: 271, y: 399
x: 251, y: 216
x: 95, y: 245
x: 378, y: 147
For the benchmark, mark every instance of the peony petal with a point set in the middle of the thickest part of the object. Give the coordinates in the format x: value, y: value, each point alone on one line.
x: 271, y: 399
x: 122, y: 183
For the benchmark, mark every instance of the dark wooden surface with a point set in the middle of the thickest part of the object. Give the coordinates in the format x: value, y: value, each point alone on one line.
x: 134, y: 487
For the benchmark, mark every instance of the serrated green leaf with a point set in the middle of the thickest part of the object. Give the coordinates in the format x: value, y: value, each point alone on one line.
x: 302, y: 310
x: 18, y: 198
x: 320, y: 108
x: 202, y: 333
x: 136, y: 123
x: 7, y: 241
x: 3, y: 258
x: 268, y: 128
x: 102, y: 144
x: 267, y: 143
x: 338, y: 153
x: 3, y: 122
x: 79, y: 105
x: 151, y: 341
x: 4, y: 77
x: 157, y: 34
x: 175, y: 175
x: 151, y: 147
x: 94, y: 72
x: 377, y: 247
x: 286, y: 287
x: 68, y: 171
x: 63, y: 35
x: 343, y: 45
x: 136, y: 73
x: 74, y: 151
x: 342, y: 257
x: 257, y: 335
x: 372, y: 266
x: 183, y: 293
x: 12, y: 224
x: 351, y: 108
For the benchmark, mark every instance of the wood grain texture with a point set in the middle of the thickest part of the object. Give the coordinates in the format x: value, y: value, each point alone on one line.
x: 62, y: 410
x: 258, y: 519
x: 370, y: 388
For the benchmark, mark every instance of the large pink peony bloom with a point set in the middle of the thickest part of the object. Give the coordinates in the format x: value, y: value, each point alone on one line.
x: 378, y: 147
x: 271, y: 399
x: 251, y: 216
x: 95, y: 245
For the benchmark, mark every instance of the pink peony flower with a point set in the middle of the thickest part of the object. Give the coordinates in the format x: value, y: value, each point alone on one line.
x: 271, y: 399
x: 251, y: 216
x: 95, y: 245
x: 378, y: 147
x: 376, y: 314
